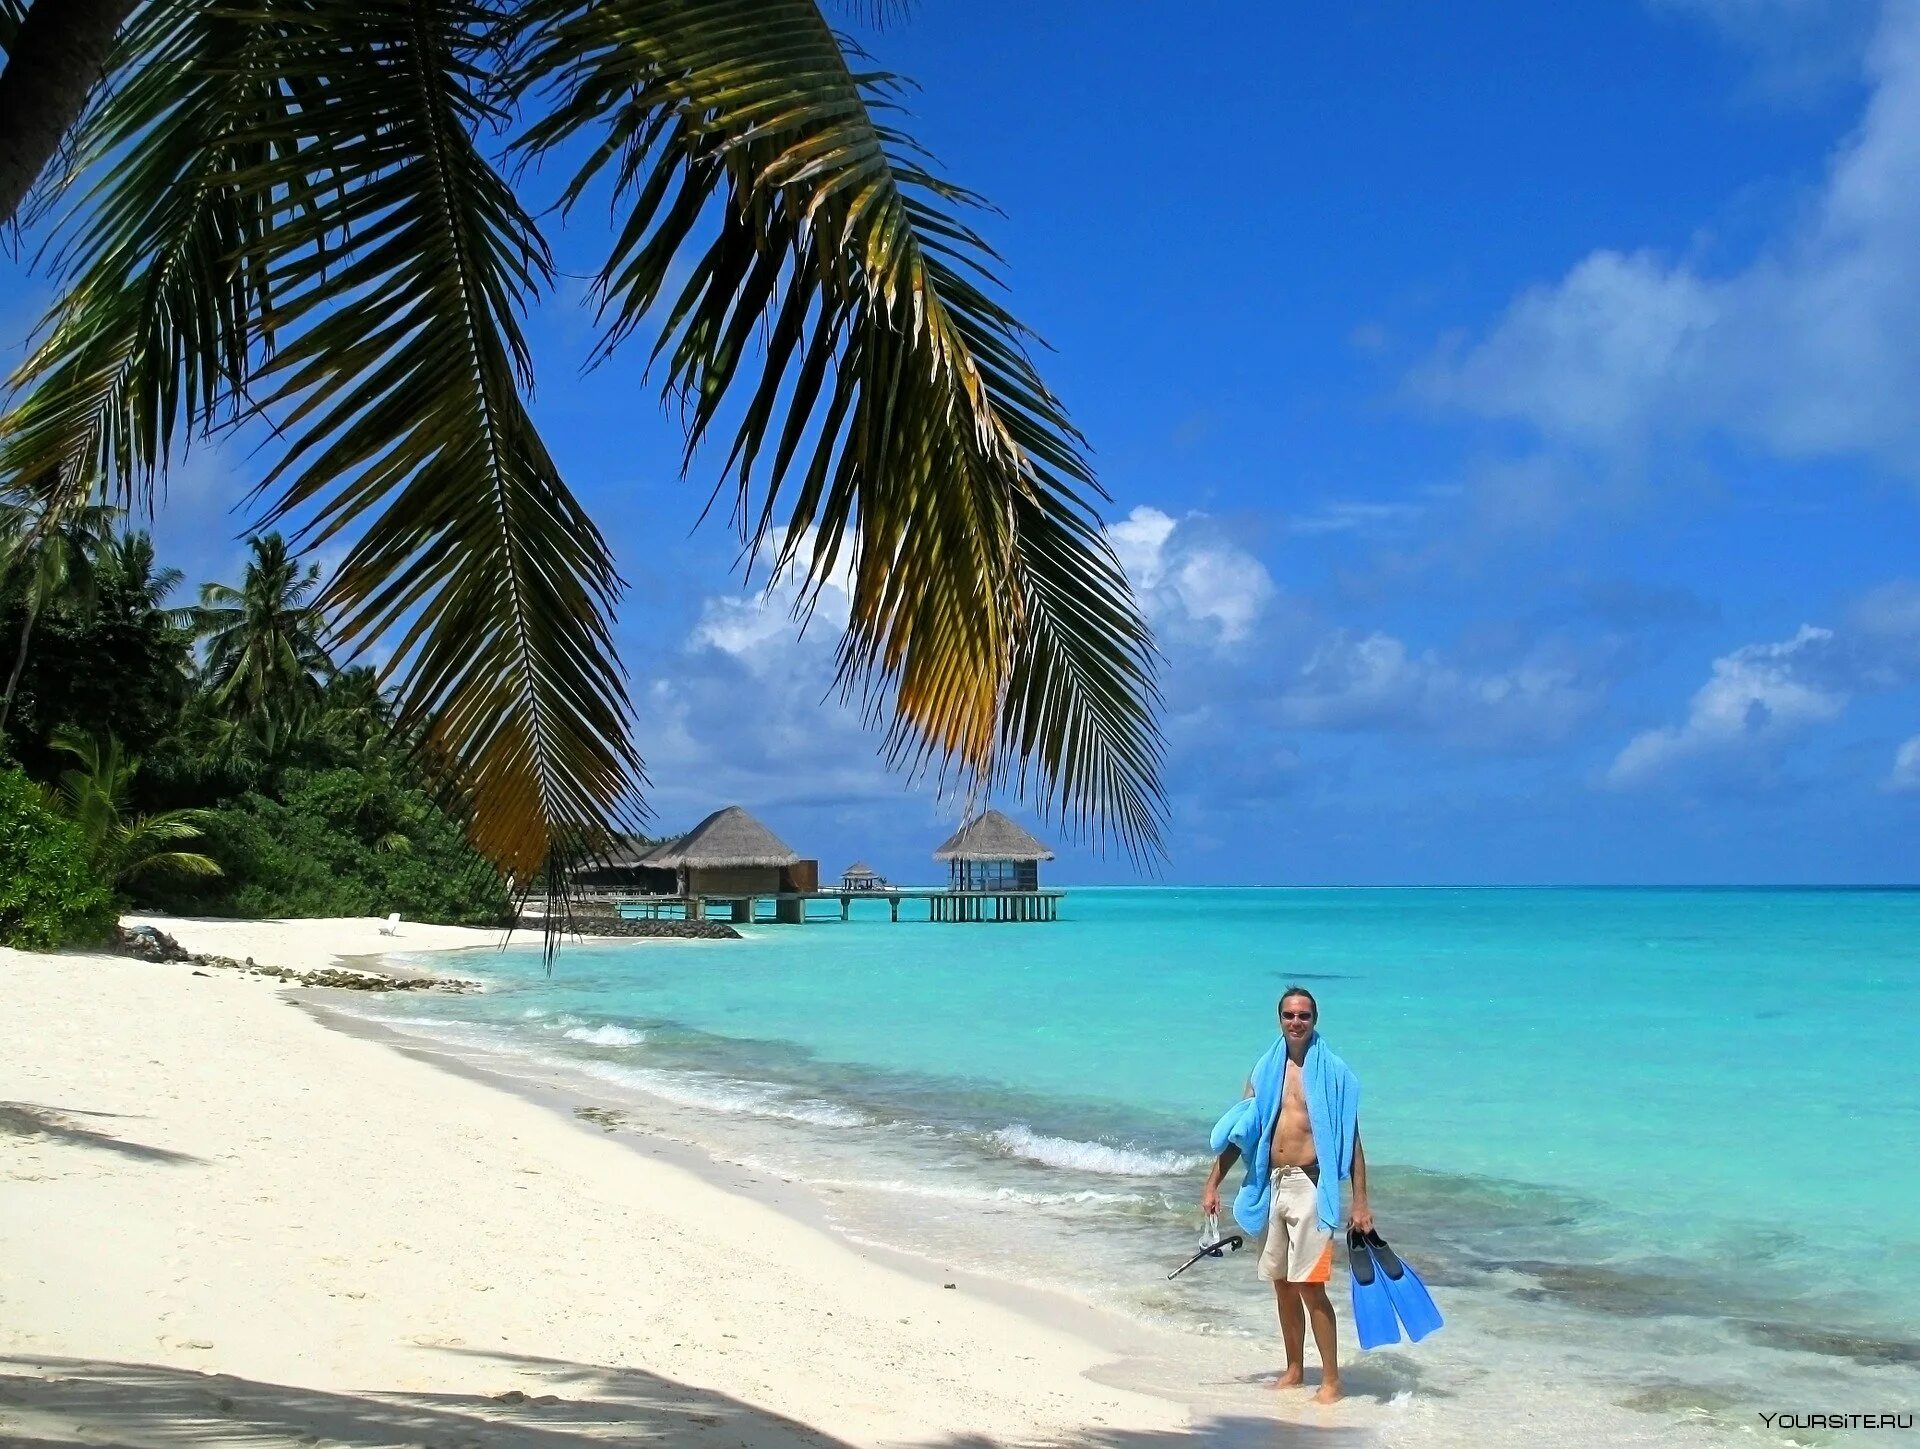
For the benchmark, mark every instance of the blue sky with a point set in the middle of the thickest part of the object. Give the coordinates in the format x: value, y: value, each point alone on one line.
x: 1509, y: 412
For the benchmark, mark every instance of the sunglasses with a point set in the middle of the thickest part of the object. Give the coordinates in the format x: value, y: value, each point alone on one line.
x: 1296, y: 1016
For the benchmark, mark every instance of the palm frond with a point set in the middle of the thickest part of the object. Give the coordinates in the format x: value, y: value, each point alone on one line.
x: 902, y: 424
x: 399, y: 262
x: 12, y: 12
x: 138, y: 852
x: 150, y: 340
x: 94, y: 795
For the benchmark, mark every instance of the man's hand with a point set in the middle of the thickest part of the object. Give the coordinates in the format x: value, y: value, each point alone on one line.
x: 1210, y: 1200
x: 1363, y: 1216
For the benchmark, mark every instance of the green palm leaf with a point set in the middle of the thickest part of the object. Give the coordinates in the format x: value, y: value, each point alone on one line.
x: 291, y: 213
x: 399, y: 262
x: 892, y: 398
x: 124, y: 849
x: 150, y: 339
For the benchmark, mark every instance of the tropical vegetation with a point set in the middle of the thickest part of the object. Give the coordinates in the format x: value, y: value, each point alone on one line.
x: 49, y: 893
x: 324, y: 219
x: 212, y: 759
x: 124, y: 849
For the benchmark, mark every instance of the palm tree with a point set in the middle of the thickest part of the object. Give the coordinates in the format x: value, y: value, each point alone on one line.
x: 265, y: 660
x: 355, y: 712
x: 129, y: 563
x: 124, y: 849
x: 306, y: 212
x: 51, y: 555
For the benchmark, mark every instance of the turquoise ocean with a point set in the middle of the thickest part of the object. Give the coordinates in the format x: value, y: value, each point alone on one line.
x: 1656, y: 1152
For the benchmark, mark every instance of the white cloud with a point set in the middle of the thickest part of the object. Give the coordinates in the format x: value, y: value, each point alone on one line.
x: 1374, y: 682
x: 1797, y: 46
x: 1889, y: 617
x: 1906, y: 767
x: 750, y: 629
x: 1755, y: 697
x: 750, y: 711
x: 1138, y: 540
x: 1356, y: 516
x: 760, y: 629
x: 1188, y: 580
x: 1811, y: 350
x: 1593, y: 356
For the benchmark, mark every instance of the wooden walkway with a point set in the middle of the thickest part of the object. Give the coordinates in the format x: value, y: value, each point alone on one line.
x: 791, y: 908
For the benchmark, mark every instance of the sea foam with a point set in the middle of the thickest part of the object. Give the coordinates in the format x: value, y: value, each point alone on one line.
x: 608, y: 1035
x: 954, y: 1192
x: 723, y: 1096
x: 1022, y: 1141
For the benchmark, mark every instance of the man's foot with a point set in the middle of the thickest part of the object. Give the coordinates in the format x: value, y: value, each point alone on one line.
x: 1291, y: 1379
x: 1328, y: 1392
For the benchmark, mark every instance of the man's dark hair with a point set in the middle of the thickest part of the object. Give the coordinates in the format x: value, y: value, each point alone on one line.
x: 1299, y: 991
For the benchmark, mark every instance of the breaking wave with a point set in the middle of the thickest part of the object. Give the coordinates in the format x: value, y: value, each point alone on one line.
x: 1126, y: 1161
x: 608, y: 1035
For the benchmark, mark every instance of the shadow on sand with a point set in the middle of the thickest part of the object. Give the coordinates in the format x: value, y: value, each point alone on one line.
x: 54, y: 1124
x: 70, y: 1402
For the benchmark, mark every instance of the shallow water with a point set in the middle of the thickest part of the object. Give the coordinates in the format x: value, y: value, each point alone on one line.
x: 1641, y: 1138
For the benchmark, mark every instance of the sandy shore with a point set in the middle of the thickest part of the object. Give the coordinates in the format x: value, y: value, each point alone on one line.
x: 224, y: 1223
x: 315, y: 945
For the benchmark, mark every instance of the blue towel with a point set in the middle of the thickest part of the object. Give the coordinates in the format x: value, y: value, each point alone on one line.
x: 1333, y: 1108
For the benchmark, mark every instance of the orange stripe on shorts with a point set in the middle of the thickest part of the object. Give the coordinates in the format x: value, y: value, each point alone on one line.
x: 1323, y: 1268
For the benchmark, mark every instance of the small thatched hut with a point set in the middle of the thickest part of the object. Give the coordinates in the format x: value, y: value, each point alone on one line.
x: 728, y: 854
x: 861, y: 877
x: 991, y: 853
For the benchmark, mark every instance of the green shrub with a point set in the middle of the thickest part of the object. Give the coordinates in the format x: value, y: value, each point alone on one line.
x: 341, y: 843
x: 49, y: 895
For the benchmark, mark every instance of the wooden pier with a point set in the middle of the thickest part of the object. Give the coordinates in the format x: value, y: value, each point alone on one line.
x: 790, y: 908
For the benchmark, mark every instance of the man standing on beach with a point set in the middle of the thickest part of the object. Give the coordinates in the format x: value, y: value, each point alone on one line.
x: 1299, y: 1128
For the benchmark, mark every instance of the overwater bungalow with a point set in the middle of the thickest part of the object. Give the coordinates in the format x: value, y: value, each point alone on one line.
x: 730, y: 856
x: 732, y: 864
x: 993, y: 869
x: 991, y: 853
x: 861, y: 877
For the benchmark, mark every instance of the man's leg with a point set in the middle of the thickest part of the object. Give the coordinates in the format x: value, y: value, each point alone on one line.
x: 1326, y: 1337
x: 1293, y: 1333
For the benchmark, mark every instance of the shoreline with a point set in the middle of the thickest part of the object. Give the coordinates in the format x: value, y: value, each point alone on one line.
x: 1138, y: 1357
x: 352, y: 943
x: 513, y: 1286
x: 1501, y: 1374
x: 184, y: 1132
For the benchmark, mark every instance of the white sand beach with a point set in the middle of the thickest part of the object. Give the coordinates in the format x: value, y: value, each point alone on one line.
x: 223, y: 1222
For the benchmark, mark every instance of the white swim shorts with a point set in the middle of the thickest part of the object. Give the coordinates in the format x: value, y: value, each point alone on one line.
x: 1296, y: 1248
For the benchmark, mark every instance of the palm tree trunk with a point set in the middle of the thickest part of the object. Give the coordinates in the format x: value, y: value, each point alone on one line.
x: 13, y: 675
x: 58, y: 56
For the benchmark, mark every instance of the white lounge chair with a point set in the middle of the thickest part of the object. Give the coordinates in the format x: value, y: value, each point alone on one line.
x: 392, y: 927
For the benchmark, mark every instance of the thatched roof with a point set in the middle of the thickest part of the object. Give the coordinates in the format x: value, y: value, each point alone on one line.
x: 859, y: 867
x: 627, y: 854
x: 727, y: 837
x: 992, y: 837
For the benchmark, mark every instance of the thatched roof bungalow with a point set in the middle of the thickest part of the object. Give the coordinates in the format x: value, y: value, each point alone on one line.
x: 861, y: 877
x: 991, y: 853
x: 728, y: 854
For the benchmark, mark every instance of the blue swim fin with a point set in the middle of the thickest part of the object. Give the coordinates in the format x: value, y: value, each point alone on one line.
x: 1373, y: 1316
x: 1409, y: 1295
